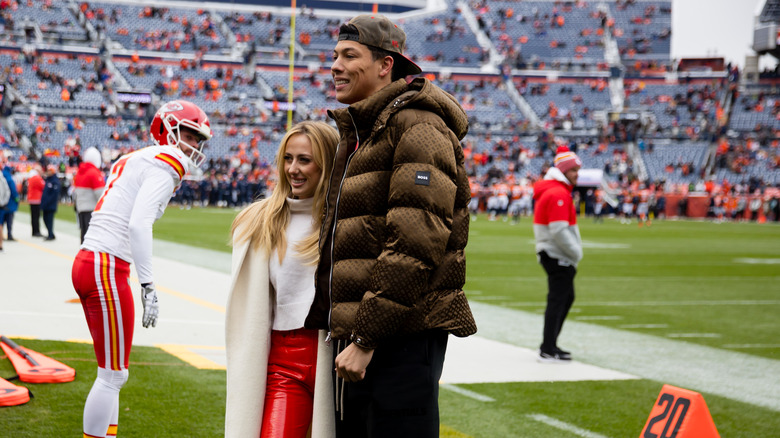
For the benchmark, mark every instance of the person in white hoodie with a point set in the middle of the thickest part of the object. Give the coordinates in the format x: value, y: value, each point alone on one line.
x: 558, y: 246
x: 88, y: 184
x: 279, y: 374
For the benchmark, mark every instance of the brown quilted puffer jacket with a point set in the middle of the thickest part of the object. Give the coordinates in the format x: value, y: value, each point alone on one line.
x: 396, y: 222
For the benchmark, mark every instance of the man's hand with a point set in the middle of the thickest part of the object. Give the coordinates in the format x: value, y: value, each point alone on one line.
x: 151, y: 308
x: 352, y: 362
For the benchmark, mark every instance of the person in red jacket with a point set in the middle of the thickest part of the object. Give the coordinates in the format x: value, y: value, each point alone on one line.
x: 35, y: 186
x: 88, y: 184
x: 558, y: 246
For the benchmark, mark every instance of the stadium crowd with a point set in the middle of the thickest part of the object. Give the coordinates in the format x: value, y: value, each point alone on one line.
x: 709, y: 134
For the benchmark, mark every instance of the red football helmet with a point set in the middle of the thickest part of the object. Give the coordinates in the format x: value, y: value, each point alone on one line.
x: 167, y: 123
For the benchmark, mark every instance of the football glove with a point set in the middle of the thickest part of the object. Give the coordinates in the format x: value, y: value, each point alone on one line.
x: 151, y: 308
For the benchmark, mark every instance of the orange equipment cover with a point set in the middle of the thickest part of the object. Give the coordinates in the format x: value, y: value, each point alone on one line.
x: 12, y: 395
x: 679, y: 413
x: 47, y: 369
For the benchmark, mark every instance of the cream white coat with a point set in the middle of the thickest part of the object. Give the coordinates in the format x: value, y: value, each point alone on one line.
x: 249, y: 317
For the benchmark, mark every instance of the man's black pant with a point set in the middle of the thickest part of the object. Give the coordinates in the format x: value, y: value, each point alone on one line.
x: 84, y: 218
x: 560, y: 296
x: 399, y: 396
x: 9, y: 223
x: 35, y: 219
x: 48, y: 220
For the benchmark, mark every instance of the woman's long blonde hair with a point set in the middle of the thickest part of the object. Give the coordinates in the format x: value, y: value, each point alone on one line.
x: 264, y: 222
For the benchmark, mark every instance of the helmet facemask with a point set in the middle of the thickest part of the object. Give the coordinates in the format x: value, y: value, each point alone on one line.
x: 193, y: 152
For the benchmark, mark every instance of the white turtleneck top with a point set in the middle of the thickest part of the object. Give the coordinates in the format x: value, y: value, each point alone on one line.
x: 293, y: 280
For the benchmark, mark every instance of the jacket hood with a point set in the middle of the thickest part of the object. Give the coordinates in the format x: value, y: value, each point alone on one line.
x: 553, y: 178
x: 432, y: 98
x: 92, y: 155
x: 371, y: 114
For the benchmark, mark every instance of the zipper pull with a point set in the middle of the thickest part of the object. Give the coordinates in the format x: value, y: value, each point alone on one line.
x: 327, y: 339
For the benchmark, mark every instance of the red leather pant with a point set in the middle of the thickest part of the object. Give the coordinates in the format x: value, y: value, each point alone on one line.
x: 289, y: 394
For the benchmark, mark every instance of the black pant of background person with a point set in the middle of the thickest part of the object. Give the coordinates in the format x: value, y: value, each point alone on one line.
x: 560, y: 297
x: 9, y: 224
x: 399, y: 396
x: 84, y: 218
x: 48, y: 220
x: 35, y: 219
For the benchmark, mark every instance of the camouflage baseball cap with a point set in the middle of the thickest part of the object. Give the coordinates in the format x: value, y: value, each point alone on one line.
x: 378, y: 31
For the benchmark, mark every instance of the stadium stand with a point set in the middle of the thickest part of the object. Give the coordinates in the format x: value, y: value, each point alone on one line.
x: 531, y: 75
x: 642, y: 29
x: 158, y: 29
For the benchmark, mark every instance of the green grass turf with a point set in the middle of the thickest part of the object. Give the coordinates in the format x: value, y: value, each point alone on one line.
x: 683, y: 275
x: 202, y: 227
x: 167, y: 398
x: 164, y: 397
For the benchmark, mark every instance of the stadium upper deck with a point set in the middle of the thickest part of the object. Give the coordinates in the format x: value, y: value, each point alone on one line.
x: 518, y: 68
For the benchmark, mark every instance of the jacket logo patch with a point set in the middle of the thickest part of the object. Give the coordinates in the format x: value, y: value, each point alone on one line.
x: 422, y: 178
x: 560, y: 203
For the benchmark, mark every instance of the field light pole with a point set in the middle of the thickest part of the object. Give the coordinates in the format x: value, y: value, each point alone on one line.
x: 292, y: 66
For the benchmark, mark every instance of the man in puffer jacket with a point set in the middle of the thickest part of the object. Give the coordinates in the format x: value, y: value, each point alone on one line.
x: 392, y: 266
x: 558, y: 246
x: 88, y: 185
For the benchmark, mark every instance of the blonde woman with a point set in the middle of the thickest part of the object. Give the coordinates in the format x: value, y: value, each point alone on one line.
x: 279, y: 382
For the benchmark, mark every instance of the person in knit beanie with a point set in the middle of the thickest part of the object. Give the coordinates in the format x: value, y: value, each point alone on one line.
x: 568, y: 161
x: 558, y: 246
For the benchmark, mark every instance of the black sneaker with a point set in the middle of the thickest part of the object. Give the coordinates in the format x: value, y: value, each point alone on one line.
x: 554, y: 357
x: 565, y: 355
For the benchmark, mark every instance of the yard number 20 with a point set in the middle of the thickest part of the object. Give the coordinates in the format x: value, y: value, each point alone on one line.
x: 671, y: 409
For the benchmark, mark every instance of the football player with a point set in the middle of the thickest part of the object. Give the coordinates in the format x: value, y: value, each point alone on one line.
x: 120, y: 233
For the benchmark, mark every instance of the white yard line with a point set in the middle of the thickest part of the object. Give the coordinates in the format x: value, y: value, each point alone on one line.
x: 694, y: 335
x: 465, y: 392
x: 562, y: 425
x: 599, y: 318
x: 738, y: 376
x: 752, y: 261
x: 751, y: 346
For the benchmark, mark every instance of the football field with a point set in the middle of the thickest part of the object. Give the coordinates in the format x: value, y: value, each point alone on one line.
x: 691, y: 304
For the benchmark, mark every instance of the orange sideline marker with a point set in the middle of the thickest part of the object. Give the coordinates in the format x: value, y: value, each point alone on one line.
x: 12, y: 395
x: 679, y: 413
x: 34, y: 367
